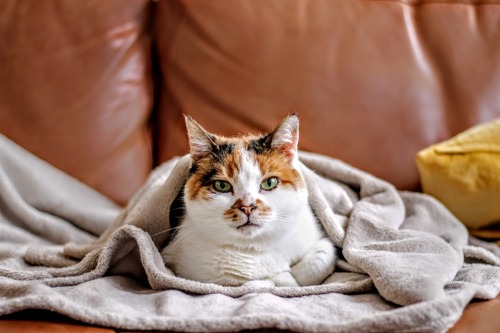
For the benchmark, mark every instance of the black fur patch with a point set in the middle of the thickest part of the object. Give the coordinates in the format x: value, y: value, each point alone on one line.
x: 176, y: 214
x: 194, y: 169
x: 208, y: 177
x: 218, y: 155
x: 260, y: 145
x: 220, y: 152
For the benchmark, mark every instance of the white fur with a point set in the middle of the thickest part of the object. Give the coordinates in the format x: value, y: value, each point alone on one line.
x: 287, y: 247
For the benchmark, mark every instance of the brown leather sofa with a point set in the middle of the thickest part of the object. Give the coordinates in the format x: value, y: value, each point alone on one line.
x: 98, y: 88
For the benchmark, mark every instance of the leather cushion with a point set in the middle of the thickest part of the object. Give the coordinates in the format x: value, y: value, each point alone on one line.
x: 75, y: 87
x: 373, y: 82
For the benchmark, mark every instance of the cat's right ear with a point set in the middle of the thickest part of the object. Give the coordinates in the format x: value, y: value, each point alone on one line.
x: 201, y: 142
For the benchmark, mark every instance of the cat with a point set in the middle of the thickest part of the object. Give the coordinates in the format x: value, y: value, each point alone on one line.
x: 247, y: 215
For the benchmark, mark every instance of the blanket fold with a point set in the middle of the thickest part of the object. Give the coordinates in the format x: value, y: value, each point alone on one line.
x: 403, y: 256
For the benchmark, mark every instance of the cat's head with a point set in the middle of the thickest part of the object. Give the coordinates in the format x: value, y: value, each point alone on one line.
x: 245, y: 190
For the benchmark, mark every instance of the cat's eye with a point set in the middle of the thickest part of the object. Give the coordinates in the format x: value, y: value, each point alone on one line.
x: 269, y: 184
x: 222, y: 186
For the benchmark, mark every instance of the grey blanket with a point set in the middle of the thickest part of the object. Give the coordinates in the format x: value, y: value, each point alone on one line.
x: 406, y: 263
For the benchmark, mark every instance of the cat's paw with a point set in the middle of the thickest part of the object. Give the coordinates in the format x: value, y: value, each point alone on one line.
x: 317, y: 264
x: 256, y: 284
x: 284, y: 279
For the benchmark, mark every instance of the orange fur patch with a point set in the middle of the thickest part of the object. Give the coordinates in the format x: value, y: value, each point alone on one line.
x: 262, y: 207
x: 232, y: 213
x: 274, y: 163
x: 235, y: 214
x: 226, y: 164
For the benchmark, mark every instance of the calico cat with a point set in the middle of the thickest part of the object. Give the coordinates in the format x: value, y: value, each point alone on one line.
x: 247, y: 215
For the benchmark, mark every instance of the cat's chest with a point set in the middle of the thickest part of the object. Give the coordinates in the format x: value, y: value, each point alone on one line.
x: 225, y: 265
x: 237, y: 265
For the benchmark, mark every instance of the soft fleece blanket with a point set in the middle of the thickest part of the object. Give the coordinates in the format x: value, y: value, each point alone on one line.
x: 406, y: 263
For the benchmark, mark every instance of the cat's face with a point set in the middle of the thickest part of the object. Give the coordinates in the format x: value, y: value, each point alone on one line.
x: 246, y: 190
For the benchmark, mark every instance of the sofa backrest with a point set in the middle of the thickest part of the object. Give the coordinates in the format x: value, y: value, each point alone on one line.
x: 373, y: 82
x: 75, y: 87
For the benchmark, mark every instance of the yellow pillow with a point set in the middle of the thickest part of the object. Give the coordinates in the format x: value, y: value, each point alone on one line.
x: 464, y: 174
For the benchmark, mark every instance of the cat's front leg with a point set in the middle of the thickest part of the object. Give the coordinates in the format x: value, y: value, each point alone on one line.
x: 316, y: 265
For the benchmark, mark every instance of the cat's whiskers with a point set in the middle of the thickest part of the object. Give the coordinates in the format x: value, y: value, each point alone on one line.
x: 166, y: 230
x: 176, y: 240
x: 189, y: 229
x: 177, y: 208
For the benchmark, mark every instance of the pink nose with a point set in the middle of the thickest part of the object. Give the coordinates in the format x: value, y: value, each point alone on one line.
x: 247, y: 209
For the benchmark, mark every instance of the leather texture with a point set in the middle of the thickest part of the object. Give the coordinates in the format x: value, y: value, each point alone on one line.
x: 75, y: 87
x: 373, y: 82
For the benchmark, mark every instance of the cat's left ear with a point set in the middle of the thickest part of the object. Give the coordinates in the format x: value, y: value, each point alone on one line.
x: 285, y: 137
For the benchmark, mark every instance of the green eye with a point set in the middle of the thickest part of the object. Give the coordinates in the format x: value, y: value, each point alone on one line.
x: 222, y: 186
x: 269, y: 184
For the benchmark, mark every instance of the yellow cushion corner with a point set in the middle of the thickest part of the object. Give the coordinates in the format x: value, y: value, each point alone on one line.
x: 464, y: 174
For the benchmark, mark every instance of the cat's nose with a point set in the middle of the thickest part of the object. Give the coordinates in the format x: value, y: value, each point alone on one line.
x: 247, y: 209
